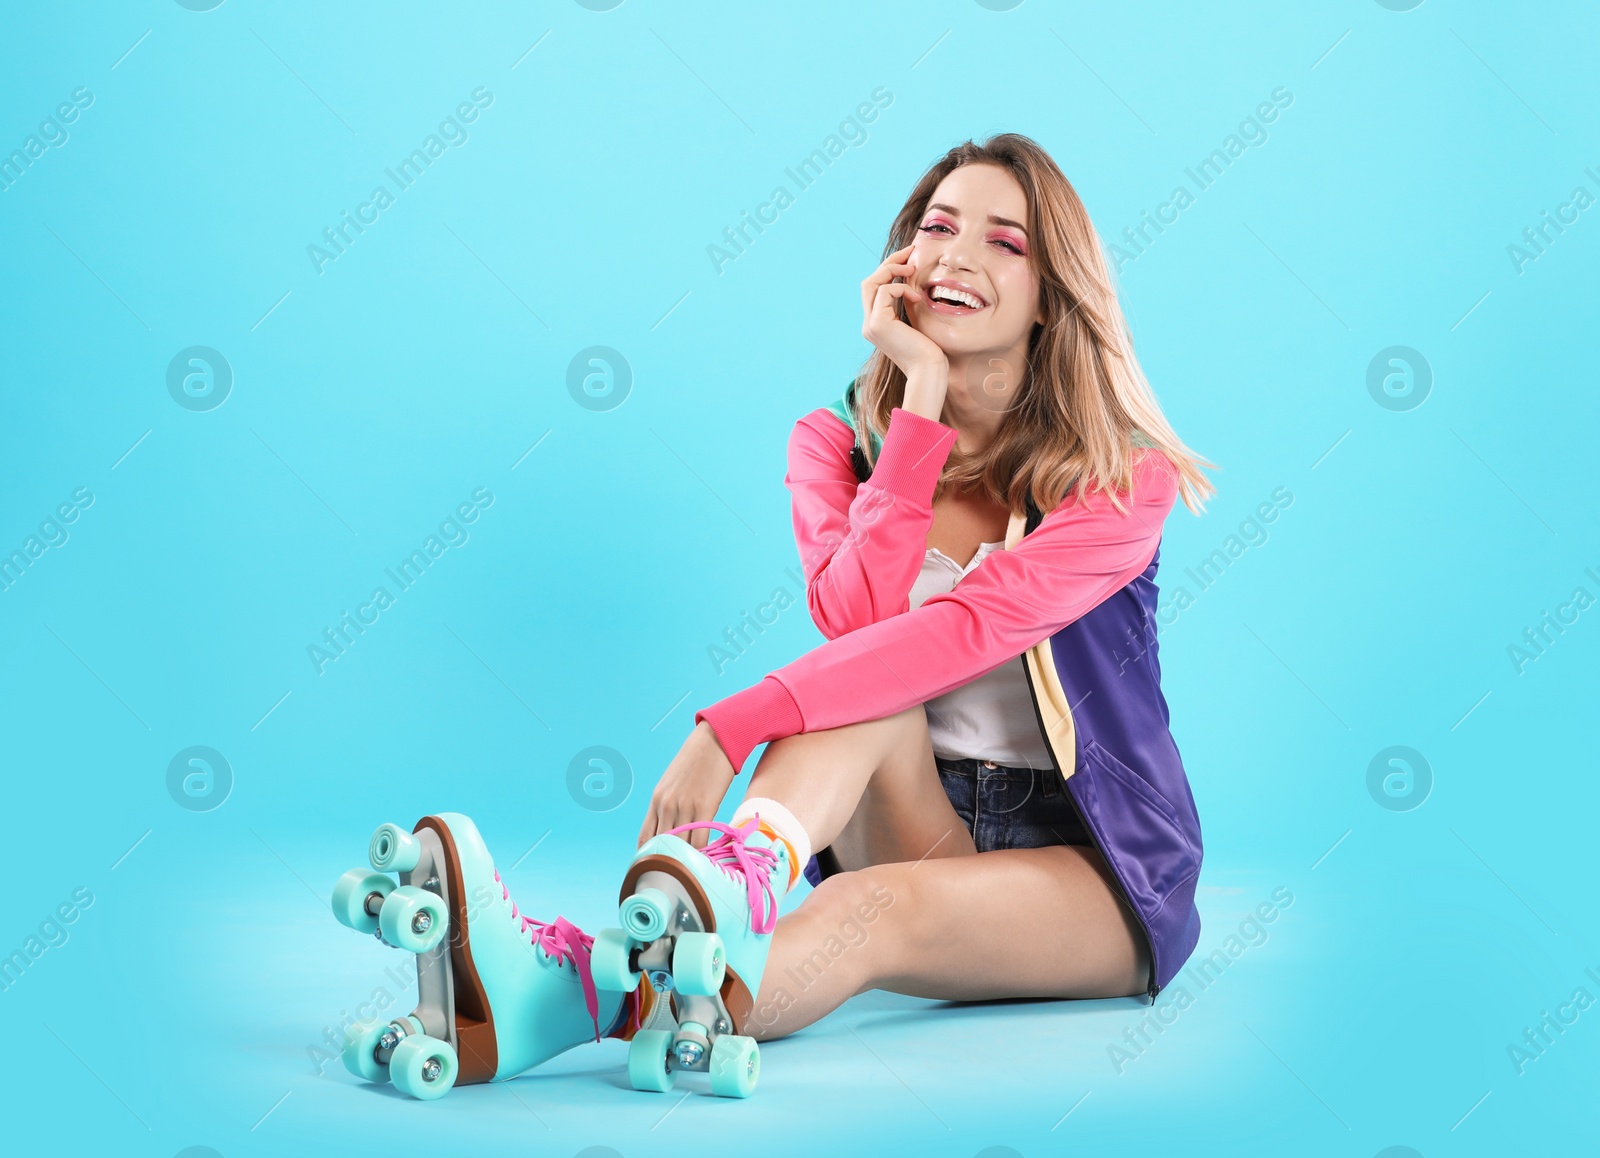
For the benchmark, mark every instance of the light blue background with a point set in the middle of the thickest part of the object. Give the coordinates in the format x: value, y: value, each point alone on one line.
x: 371, y: 398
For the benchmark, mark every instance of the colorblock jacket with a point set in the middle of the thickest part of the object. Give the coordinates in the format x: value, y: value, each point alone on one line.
x: 1073, y: 595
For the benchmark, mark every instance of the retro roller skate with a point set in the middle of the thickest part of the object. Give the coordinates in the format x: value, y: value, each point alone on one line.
x: 698, y: 924
x: 497, y: 992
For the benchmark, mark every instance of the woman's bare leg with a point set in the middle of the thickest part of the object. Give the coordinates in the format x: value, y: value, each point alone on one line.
x: 919, y: 910
x: 1033, y: 922
x: 869, y: 790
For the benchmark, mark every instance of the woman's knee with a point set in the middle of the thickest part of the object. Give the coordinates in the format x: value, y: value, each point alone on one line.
x: 868, y: 747
x: 902, y: 749
x: 864, y: 913
x: 911, y: 728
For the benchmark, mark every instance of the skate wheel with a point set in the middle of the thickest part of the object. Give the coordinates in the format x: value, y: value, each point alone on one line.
x: 608, y: 962
x: 647, y: 914
x: 413, y: 919
x: 648, y: 1066
x: 350, y: 893
x: 393, y: 850
x: 698, y: 964
x: 423, y: 1067
x: 735, y: 1066
x: 360, y: 1050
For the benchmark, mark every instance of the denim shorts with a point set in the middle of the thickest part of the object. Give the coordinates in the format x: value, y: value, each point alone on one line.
x: 1007, y: 807
x: 1003, y: 807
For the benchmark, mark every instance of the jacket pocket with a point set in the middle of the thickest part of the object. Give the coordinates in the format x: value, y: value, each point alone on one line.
x: 1139, y: 831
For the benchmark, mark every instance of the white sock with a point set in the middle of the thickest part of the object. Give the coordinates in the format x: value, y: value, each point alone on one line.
x: 783, y: 824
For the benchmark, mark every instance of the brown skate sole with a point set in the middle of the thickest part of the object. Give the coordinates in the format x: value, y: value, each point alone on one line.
x: 476, y: 1052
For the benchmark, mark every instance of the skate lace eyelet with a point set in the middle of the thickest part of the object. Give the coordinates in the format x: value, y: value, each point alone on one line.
x: 563, y: 942
x: 752, y: 865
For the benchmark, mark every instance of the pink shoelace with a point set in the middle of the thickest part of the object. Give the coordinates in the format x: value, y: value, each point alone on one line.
x: 729, y: 853
x: 561, y: 938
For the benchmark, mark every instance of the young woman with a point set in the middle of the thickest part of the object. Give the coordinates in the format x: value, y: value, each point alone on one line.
x: 979, y: 756
x: 975, y: 771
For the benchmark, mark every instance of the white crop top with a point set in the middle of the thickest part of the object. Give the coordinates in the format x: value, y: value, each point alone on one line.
x: 991, y: 717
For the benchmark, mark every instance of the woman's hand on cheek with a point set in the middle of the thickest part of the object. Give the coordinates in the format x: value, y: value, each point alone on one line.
x: 914, y: 352
x: 691, y: 788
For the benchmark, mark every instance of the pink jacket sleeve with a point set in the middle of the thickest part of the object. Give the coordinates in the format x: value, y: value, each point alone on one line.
x: 1081, y: 553
x: 862, y: 545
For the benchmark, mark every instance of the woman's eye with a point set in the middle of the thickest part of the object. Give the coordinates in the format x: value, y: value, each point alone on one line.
x: 941, y: 227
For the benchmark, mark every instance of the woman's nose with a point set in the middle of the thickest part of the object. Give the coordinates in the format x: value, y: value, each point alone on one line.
x: 957, y: 254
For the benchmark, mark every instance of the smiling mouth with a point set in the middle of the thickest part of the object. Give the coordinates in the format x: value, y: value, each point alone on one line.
x: 945, y: 300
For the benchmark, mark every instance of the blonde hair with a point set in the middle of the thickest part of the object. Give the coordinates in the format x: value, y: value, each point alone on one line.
x: 1085, y: 405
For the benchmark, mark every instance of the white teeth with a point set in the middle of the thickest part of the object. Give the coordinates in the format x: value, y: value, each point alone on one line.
x: 945, y: 293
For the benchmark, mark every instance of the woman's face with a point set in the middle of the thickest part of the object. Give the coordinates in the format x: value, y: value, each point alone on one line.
x: 973, y: 237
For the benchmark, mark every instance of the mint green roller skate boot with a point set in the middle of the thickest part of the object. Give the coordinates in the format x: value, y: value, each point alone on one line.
x: 697, y: 924
x: 497, y: 992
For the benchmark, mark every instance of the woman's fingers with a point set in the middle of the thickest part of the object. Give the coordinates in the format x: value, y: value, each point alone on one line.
x: 898, y: 289
x: 891, y: 267
x: 884, y: 276
x: 690, y: 790
x: 898, y: 257
x: 678, y: 811
x: 881, y: 314
x: 687, y: 813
